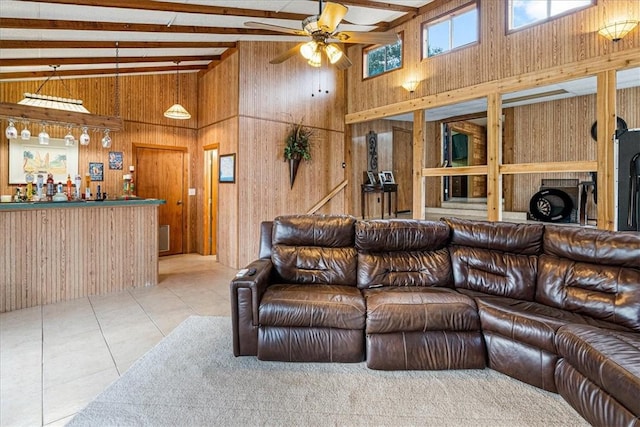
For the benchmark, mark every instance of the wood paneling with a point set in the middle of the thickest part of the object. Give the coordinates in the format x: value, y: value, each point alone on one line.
x: 57, y: 254
x: 541, y: 50
x: 403, y: 167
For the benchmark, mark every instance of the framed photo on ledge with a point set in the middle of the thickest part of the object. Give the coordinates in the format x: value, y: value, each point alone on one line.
x: 372, y: 178
x: 388, y: 177
x: 227, y: 168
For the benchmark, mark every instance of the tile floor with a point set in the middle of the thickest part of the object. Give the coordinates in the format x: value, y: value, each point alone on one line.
x: 55, y: 359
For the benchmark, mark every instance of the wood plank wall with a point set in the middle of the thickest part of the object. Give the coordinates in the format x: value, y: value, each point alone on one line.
x: 259, y: 102
x: 143, y: 100
x: 57, y: 254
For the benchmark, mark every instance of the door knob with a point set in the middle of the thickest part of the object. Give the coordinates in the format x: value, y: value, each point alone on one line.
x: 179, y: 202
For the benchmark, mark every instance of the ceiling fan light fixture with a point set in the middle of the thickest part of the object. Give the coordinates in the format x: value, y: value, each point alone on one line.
x: 316, y: 59
x: 307, y: 50
x: 333, y: 53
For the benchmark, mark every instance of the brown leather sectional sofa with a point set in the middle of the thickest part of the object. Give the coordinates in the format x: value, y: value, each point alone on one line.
x: 555, y: 307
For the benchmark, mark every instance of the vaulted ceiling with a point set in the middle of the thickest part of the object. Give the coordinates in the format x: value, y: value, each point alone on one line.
x: 92, y: 37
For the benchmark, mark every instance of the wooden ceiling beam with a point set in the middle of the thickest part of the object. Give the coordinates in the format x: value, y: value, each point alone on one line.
x: 179, y: 8
x: 97, y: 72
x: 73, y: 44
x: 51, y: 24
x: 379, y: 5
x: 16, y: 62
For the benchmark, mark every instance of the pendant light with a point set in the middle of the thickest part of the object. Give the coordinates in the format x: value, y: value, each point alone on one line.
x: 177, y: 111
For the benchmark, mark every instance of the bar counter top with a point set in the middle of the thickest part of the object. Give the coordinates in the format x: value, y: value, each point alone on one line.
x: 12, y: 206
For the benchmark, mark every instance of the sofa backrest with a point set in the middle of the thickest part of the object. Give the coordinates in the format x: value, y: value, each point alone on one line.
x: 402, y: 253
x: 592, y: 272
x: 495, y: 258
x: 314, y: 249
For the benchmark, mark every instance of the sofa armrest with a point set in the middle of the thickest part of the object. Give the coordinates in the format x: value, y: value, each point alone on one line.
x: 246, y: 292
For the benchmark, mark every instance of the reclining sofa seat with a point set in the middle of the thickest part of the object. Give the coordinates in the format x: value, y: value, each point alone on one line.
x: 415, y: 319
x: 312, y: 310
x: 596, y: 274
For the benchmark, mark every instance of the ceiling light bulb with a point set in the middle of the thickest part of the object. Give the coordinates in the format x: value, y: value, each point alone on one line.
x: 11, y: 132
x: 315, y: 60
x: 84, y: 137
x: 308, y: 49
x: 333, y: 53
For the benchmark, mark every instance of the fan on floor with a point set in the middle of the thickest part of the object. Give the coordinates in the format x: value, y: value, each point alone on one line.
x: 324, y: 37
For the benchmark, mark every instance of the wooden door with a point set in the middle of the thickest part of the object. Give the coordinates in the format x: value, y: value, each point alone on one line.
x: 160, y: 175
x: 402, y: 167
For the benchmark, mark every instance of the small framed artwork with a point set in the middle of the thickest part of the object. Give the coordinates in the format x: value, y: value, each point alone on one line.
x: 372, y: 177
x: 96, y: 171
x: 115, y: 160
x: 388, y: 177
x: 381, y: 178
x: 227, y: 170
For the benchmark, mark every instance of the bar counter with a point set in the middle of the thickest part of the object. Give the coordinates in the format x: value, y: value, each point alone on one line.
x: 59, y: 251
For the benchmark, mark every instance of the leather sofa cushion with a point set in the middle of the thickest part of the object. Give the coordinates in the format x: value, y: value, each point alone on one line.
x: 593, y: 246
x: 419, y: 310
x: 400, y: 235
x: 326, y: 306
x: 404, y: 269
x: 525, y: 239
x: 493, y: 272
x: 610, y: 359
x: 607, y: 292
x: 528, y: 322
x: 310, y: 264
x: 332, y: 231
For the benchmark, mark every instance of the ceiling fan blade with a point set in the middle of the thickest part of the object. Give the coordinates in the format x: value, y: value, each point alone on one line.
x: 343, y: 63
x: 286, y: 55
x: 331, y: 17
x: 388, y: 37
x: 263, y: 26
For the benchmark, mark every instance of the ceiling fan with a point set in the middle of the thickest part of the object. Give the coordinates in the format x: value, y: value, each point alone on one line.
x: 322, y: 30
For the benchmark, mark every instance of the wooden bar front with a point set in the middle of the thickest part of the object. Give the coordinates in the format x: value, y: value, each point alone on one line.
x: 58, y: 252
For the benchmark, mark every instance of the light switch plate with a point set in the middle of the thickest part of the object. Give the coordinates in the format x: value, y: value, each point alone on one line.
x: 192, y: 191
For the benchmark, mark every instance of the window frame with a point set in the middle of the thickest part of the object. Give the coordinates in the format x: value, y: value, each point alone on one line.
x: 371, y: 47
x: 508, y: 16
x: 448, y: 16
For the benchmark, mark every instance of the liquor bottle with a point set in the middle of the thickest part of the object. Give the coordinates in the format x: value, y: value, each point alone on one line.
x: 69, y: 193
x: 132, y: 184
x: 50, y: 186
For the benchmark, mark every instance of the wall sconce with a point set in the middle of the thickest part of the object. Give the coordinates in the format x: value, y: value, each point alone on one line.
x: 617, y: 30
x: 411, y: 85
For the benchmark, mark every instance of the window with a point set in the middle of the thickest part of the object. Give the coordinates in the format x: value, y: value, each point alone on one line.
x: 380, y: 59
x: 457, y: 29
x: 523, y: 13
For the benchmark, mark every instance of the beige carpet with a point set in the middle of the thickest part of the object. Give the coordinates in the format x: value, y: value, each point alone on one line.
x: 191, y: 378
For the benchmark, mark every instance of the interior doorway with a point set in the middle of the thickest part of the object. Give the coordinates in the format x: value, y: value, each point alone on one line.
x: 402, y: 167
x: 210, y: 199
x: 160, y: 174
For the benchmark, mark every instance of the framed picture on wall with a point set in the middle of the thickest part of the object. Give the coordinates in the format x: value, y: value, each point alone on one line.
x: 29, y: 157
x: 96, y: 171
x: 227, y: 169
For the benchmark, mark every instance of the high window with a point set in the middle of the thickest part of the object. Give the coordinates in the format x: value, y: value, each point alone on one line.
x: 523, y: 13
x: 381, y: 59
x: 454, y: 30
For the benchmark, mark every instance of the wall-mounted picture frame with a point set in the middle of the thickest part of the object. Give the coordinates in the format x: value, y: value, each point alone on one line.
x: 388, y: 177
x: 29, y: 157
x: 372, y: 178
x: 227, y: 168
x: 115, y: 160
x: 96, y: 171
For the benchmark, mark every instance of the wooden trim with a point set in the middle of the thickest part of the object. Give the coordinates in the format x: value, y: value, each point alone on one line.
x: 39, y: 114
x: 419, y: 191
x: 589, y: 67
x: 82, y: 44
x: 508, y: 156
x: 606, y: 119
x: 462, y: 170
x: 210, y: 174
x: 99, y: 71
x: 328, y: 197
x: 159, y: 147
x: 14, y: 62
x: 577, y: 166
x: 494, y: 157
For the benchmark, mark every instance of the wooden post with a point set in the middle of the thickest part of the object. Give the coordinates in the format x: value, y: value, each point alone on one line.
x: 606, y: 119
x: 419, y: 188
x: 494, y: 157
